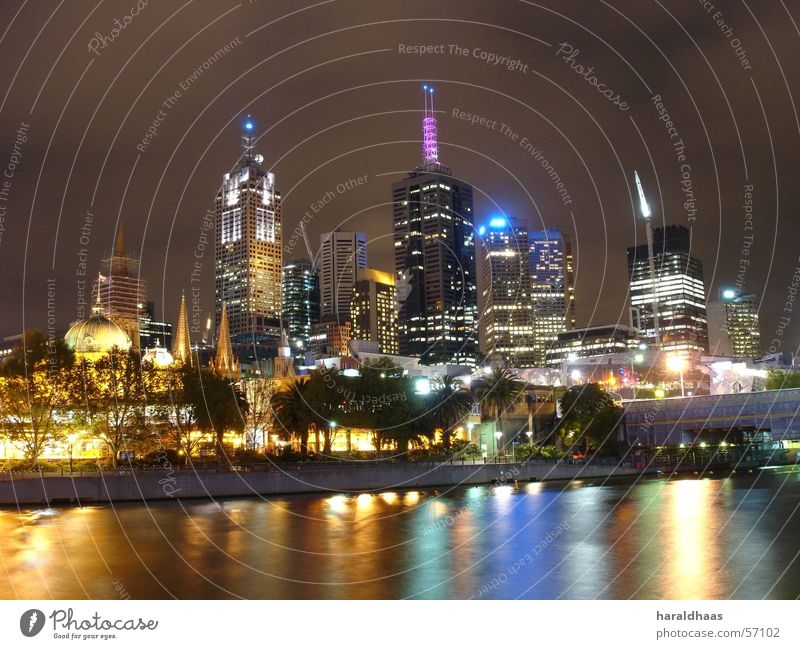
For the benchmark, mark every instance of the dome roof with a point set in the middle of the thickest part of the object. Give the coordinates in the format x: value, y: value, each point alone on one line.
x: 96, y: 335
x: 158, y: 356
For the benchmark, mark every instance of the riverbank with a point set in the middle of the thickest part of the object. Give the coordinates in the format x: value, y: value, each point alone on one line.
x: 292, y: 479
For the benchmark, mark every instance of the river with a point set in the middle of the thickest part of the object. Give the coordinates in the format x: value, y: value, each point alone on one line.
x: 684, y: 538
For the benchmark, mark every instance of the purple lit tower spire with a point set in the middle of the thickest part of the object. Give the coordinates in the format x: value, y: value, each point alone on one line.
x: 430, y: 144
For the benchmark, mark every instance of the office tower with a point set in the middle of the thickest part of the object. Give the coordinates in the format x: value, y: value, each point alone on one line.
x: 340, y: 256
x: 592, y: 341
x: 506, y: 289
x: 182, y: 346
x: 300, y: 301
x: 249, y: 256
x: 733, y: 325
x: 679, y: 291
x: 434, y: 249
x: 330, y: 338
x: 374, y: 310
x: 552, y: 288
x: 153, y: 333
x: 122, y: 293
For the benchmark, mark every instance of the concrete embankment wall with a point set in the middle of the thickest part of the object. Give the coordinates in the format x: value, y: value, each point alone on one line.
x: 155, y: 485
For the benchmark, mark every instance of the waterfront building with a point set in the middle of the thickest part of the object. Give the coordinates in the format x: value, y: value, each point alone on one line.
x: 300, y: 302
x: 434, y: 250
x: 592, y: 341
x: 552, y: 288
x: 94, y: 337
x: 733, y: 325
x: 330, y: 338
x: 508, y: 327
x: 373, y: 309
x: 679, y: 291
x: 120, y: 290
x: 249, y: 248
x: 341, y: 254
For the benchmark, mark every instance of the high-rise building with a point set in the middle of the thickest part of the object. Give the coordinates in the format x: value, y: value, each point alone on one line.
x: 552, y: 288
x: 341, y: 254
x: 733, y: 325
x: 434, y: 251
x: 374, y: 310
x: 249, y: 252
x: 122, y: 292
x: 330, y: 338
x: 592, y: 341
x: 153, y: 333
x: 506, y: 289
x: 300, y: 301
x: 679, y: 291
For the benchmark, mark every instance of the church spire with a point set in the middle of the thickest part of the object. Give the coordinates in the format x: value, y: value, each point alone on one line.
x: 182, y: 346
x: 119, y: 242
x: 224, y: 362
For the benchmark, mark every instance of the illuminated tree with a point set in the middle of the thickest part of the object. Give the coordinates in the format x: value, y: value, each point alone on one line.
x: 258, y: 392
x: 220, y: 406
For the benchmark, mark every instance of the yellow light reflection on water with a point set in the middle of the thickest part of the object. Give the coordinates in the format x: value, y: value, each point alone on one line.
x: 411, y: 498
x: 690, y: 543
x: 390, y: 497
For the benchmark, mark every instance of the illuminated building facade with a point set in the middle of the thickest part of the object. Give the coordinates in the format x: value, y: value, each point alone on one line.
x: 733, y: 325
x: 153, y: 333
x: 374, y: 310
x: 341, y: 254
x: 679, y: 291
x: 434, y: 248
x: 552, y: 267
x: 300, y: 301
x: 506, y: 291
x: 330, y: 338
x: 249, y: 248
x: 120, y: 291
x: 592, y: 341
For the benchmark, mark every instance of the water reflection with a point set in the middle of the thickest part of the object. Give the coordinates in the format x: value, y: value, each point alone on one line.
x: 688, y: 539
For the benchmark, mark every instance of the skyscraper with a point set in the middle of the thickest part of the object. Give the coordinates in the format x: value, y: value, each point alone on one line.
x: 249, y: 253
x: 341, y: 255
x: 153, y: 333
x: 506, y: 289
x: 374, y: 309
x: 300, y: 301
x: 122, y: 293
x: 552, y: 288
x: 733, y: 325
x: 434, y: 249
x: 679, y: 291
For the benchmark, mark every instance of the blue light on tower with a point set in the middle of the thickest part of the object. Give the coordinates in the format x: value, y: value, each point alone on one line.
x: 248, y: 125
x: 498, y: 222
x: 729, y: 294
x: 482, y: 230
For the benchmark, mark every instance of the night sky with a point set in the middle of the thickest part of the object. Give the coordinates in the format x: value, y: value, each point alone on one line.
x: 335, y: 91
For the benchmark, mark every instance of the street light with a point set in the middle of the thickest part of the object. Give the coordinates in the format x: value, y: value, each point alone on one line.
x: 497, y: 435
x: 677, y: 364
x: 71, y: 438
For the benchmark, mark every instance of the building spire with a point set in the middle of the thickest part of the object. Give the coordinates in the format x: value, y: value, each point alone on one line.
x: 430, y: 143
x: 97, y: 308
x: 224, y: 362
x: 182, y: 346
x: 119, y: 242
x: 248, y: 140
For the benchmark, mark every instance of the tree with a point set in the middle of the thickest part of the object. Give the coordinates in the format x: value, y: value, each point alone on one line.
x: 499, y: 393
x: 220, y: 406
x: 782, y: 379
x: 30, y: 404
x: 258, y: 393
x: 34, y: 349
x: 450, y: 405
x: 292, y: 412
x: 591, y: 418
x: 116, y: 399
